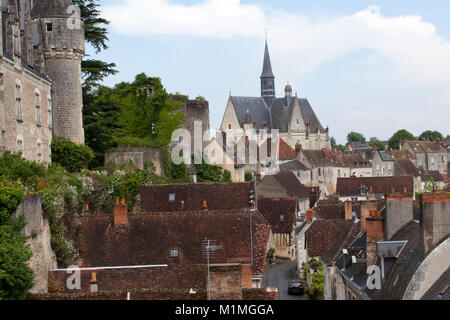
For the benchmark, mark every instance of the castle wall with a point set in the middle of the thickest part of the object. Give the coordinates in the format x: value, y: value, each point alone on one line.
x: 196, y: 110
x: 38, y: 231
x: 26, y: 129
x: 138, y: 156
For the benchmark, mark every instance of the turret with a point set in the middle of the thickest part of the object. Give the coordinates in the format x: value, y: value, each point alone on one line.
x: 60, y: 38
x: 267, y: 78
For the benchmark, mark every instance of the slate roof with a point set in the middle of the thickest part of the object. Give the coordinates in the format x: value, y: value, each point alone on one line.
x: 330, y: 257
x: 386, y: 156
x: 50, y: 8
x: 356, y: 161
x: 218, y: 196
x: 148, y: 238
x: 324, y: 157
x: 279, y: 212
x: 402, y: 154
x: 380, y: 185
x: 256, y: 106
x: 277, y: 114
x: 405, y: 167
x: 285, y: 182
x: 440, y: 289
x: 322, y: 235
x: 267, y: 66
x: 293, y: 165
x: 426, y: 175
x: 425, y: 146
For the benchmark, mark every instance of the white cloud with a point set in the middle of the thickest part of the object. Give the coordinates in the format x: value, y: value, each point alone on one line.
x: 408, y: 41
x: 416, y: 59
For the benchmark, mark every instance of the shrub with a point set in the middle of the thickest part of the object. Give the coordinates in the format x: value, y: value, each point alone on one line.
x: 11, y: 196
x: 71, y: 156
x: 248, y: 176
x: 16, y: 277
x: 271, y: 256
x: 14, y: 167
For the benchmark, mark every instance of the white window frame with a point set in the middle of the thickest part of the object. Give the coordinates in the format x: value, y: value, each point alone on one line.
x: 37, y: 107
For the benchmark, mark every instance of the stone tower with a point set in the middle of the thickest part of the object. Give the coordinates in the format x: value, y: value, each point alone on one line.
x: 60, y: 49
x: 267, y: 78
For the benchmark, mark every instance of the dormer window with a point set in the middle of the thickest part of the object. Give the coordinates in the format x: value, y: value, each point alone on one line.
x: 49, y: 27
x: 174, y: 253
x: 172, y: 197
x: 282, y: 217
x: 363, y: 190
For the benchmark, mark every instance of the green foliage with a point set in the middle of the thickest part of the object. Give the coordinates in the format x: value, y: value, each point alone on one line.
x: 14, y: 167
x: 374, y: 142
x: 212, y: 173
x: 431, y: 135
x: 16, y: 277
x: 340, y: 147
x: 174, y: 173
x: 429, y: 185
x: 248, y: 176
x: 71, y: 156
x: 316, y: 291
x: 404, y: 135
x: 355, y: 137
x: 11, y: 196
x: 271, y: 256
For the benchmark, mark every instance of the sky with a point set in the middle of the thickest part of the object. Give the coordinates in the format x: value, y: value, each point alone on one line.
x: 368, y: 66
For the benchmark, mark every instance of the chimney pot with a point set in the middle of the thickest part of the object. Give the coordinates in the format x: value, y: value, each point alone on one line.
x: 120, y: 213
x: 309, y: 215
x: 205, y: 205
x: 117, y: 201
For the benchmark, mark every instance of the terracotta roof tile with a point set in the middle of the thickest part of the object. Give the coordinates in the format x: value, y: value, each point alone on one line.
x: 279, y: 212
x: 380, y: 185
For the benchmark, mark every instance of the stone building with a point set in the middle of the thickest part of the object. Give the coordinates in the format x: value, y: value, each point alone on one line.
x: 430, y: 155
x: 292, y: 116
x: 41, y: 48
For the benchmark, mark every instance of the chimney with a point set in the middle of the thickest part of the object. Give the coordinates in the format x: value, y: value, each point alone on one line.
x: 399, y: 212
x: 366, y: 207
x: 93, y: 284
x: 254, y: 125
x: 348, y: 210
x: 258, y: 177
x: 266, y: 124
x: 309, y: 216
x: 435, y: 208
x: 375, y: 234
x: 120, y: 213
x: 205, y: 205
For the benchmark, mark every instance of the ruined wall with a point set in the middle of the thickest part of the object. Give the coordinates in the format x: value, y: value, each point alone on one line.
x: 138, y: 156
x: 196, y: 110
x: 38, y: 230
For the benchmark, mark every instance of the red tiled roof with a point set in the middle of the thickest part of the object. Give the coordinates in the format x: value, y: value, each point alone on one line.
x: 285, y: 151
x: 274, y: 209
x: 380, y: 185
x: 324, y: 158
x: 148, y: 238
x: 330, y: 211
x: 218, y: 196
x: 322, y: 235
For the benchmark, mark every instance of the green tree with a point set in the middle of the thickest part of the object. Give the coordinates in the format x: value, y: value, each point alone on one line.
x: 212, y: 173
x: 431, y: 135
x: 71, y: 156
x: 248, y: 176
x: 355, y: 137
x: 374, y: 142
x: 333, y: 142
x: 404, y: 135
x: 16, y: 277
x: 429, y: 185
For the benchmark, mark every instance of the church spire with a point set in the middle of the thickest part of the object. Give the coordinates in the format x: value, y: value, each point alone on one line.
x: 267, y: 77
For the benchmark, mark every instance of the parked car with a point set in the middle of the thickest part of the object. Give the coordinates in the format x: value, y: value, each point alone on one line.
x: 296, y: 287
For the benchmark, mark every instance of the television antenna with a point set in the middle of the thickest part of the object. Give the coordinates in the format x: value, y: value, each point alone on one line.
x: 209, y: 248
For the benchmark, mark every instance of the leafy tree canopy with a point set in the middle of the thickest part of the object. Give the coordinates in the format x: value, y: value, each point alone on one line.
x: 431, y: 135
x: 404, y: 135
x: 374, y: 142
x: 355, y: 137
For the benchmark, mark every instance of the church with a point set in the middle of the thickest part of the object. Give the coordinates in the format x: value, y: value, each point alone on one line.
x: 292, y: 116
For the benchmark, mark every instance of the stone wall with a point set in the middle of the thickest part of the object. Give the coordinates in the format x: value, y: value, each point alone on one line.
x: 138, y: 156
x: 38, y: 230
x: 226, y: 282
x: 260, y: 294
x: 196, y: 110
x: 435, y: 210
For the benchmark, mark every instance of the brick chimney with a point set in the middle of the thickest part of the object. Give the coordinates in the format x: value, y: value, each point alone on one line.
x: 348, y: 210
x: 375, y: 233
x: 309, y: 216
x: 366, y: 207
x: 120, y: 213
x: 435, y: 209
x: 205, y: 205
x: 399, y: 212
x: 93, y: 283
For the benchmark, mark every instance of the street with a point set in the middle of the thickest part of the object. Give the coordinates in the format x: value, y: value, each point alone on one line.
x: 279, y: 275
